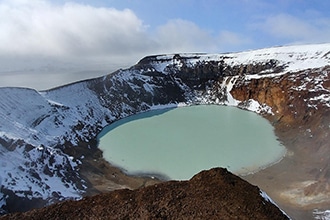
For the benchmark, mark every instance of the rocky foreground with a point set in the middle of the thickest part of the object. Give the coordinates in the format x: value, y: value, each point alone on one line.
x: 213, y: 194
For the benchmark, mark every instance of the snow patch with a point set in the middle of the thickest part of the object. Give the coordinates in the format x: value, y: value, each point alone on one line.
x: 255, y: 106
x: 268, y: 199
x: 23, y: 172
x: 324, y: 98
x: 293, y: 58
x: 170, y: 105
x: 2, y: 197
x: 228, y: 83
x: 321, y: 215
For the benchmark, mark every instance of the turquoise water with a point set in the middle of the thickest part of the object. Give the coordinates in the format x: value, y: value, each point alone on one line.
x: 178, y: 143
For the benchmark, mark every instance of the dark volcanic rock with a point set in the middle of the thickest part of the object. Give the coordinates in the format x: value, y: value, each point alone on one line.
x: 213, y: 194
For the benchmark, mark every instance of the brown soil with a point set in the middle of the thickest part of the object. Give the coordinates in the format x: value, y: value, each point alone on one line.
x: 213, y: 194
x: 300, y: 183
x: 103, y: 177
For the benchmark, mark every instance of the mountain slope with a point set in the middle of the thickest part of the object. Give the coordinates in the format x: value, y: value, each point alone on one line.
x: 48, y: 138
x: 213, y: 194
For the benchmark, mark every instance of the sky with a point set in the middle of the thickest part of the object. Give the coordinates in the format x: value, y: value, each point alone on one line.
x: 47, y: 43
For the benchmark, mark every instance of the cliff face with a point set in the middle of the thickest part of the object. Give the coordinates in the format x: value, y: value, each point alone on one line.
x: 301, y: 119
x: 213, y: 194
x: 300, y: 104
x: 48, y: 139
x: 299, y: 101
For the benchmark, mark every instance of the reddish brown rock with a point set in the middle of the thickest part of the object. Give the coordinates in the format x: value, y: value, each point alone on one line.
x: 213, y: 194
x: 302, y: 122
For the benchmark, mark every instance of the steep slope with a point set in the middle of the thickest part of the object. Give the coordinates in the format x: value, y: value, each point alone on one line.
x: 48, y: 145
x: 213, y: 194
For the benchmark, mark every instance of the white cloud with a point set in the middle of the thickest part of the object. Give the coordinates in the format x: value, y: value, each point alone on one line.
x: 39, y: 27
x: 185, y: 36
x: 294, y: 29
x: 45, y: 39
x: 179, y: 35
x: 39, y: 37
x: 232, y: 39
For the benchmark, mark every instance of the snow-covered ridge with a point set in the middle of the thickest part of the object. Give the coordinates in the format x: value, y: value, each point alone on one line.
x: 294, y: 58
x: 36, y: 127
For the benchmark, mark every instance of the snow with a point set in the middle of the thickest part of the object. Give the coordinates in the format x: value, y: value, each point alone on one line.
x: 255, y: 106
x: 13, y: 166
x: 230, y: 99
x: 295, y: 58
x: 30, y: 115
x: 266, y: 75
x: 160, y: 67
x: 170, y: 105
x: 325, y: 98
x: 2, y: 196
x: 291, y: 58
x: 148, y: 88
x: 321, y: 215
x: 268, y: 199
x: 251, y: 105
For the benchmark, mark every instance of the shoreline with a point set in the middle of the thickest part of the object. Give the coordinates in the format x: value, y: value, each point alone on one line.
x: 284, y: 181
x: 279, y: 180
x: 243, y: 156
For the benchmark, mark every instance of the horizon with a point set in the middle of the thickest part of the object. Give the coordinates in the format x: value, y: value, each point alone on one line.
x: 49, y: 43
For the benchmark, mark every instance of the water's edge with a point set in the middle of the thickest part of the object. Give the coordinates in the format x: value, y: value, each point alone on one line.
x: 162, y: 175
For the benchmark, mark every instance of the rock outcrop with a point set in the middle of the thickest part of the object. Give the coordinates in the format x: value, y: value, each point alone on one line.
x: 213, y: 194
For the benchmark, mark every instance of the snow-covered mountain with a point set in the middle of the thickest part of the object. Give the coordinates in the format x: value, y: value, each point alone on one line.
x: 41, y: 131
